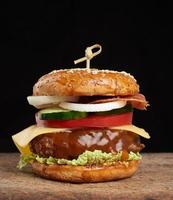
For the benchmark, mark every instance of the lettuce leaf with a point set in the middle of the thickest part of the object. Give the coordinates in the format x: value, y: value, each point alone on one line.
x: 96, y: 157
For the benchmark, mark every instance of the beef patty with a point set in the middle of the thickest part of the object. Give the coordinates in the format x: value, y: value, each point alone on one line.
x: 72, y: 143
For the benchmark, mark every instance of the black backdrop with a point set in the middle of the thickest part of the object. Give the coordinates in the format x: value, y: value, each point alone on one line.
x: 37, y: 38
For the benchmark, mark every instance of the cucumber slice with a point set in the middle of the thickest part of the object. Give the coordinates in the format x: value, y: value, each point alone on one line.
x: 125, y: 109
x: 62, y: 114
x: 56, y: 113
x: 53, y: 110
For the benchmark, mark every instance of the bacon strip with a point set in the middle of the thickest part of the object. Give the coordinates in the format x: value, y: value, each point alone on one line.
x: 138, y: 101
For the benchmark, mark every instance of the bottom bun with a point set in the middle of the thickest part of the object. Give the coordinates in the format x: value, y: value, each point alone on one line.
x: 84, y: 174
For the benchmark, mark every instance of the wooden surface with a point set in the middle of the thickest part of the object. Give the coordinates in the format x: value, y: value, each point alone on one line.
x: 153, y: 180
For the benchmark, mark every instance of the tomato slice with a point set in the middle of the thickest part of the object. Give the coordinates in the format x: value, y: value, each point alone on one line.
x: 91, y: 121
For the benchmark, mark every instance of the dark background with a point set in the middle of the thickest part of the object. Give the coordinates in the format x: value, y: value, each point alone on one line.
x: 40, y: 37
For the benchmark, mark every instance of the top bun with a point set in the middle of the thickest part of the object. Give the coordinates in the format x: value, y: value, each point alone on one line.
x: 80, y: 82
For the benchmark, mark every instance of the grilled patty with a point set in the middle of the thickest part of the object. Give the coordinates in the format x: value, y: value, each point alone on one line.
x: 72, y: 143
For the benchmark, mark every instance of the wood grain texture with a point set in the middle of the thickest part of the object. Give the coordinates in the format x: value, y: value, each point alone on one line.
x: 153, y: 181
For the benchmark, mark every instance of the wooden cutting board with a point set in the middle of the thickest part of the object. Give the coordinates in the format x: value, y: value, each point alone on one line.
x: 153, y: 180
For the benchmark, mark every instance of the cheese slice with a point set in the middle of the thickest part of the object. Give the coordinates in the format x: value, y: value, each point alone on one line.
x: 23, y: 138
x: 134, y: 129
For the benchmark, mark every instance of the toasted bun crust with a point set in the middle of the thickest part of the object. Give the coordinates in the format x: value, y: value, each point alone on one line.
x: 80, y: 82
x: 83, y: 174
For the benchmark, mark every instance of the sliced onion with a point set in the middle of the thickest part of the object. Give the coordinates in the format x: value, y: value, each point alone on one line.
x: 44, y: 101
x: 93, y: 107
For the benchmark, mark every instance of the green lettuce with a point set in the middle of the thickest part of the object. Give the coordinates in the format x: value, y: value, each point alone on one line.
x: 96, y: 157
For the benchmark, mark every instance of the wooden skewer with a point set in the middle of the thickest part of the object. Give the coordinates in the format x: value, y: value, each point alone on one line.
x: 89, y: 55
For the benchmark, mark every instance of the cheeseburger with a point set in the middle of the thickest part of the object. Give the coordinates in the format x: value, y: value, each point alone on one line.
x: 83, y: 130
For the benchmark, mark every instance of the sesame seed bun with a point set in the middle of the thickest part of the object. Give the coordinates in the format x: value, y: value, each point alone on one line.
x: 80, y: 82
x: 86, y: 174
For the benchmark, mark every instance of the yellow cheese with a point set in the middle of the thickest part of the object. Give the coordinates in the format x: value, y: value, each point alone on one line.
x: 134, y: 129
x: 23, y: 138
